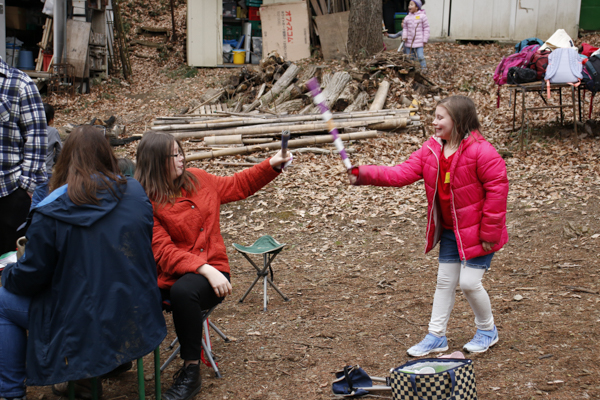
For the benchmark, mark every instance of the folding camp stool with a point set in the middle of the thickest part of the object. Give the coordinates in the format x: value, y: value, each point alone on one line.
x: 141, y: 379
x: 269, y: 248
x: 206, y: 345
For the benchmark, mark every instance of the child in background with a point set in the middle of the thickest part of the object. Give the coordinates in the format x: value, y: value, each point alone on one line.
x: 467, y: 190
x: 127, y: 167
x: 52, y: 153
x: 415, y: 32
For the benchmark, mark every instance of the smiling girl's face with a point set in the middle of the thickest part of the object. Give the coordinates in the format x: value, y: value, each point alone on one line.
x: 412, y: 7
x: 442, y: 123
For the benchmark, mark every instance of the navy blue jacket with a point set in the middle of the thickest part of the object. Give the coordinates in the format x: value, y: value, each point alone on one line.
x: 91, y: 275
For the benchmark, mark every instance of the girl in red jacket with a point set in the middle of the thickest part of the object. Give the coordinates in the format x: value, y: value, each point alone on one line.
x: 467, y: 189
x: 193, y: 270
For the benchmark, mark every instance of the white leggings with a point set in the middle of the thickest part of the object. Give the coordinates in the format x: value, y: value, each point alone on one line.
x: 449, y: 275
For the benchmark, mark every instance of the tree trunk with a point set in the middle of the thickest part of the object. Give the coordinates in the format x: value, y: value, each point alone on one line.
x: 364, y: 35
x: 360, y: 103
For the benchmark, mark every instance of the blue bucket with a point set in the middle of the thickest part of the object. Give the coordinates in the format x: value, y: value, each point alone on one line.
x: 26, y: 60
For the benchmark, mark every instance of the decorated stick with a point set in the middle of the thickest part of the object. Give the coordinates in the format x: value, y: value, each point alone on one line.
x: 319, y: 99
x: 285, y: 137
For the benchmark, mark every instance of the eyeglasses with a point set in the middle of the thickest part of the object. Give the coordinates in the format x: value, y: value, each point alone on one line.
x: 178, y: 155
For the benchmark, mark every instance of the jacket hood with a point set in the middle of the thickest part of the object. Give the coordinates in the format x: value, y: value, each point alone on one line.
x: 59, y: 206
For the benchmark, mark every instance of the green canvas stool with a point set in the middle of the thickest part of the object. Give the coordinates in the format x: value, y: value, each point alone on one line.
x: 140, y: 373
x: 269, y: 248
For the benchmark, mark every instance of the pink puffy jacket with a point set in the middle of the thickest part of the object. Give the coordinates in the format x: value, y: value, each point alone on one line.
x: 416, y: 27
x: 479, y: 187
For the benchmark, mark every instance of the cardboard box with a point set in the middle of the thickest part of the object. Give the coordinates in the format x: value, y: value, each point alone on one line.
x: 16, y: 18
x: 285, y: 30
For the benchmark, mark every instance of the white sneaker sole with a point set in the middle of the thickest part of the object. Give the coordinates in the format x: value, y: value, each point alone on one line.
x: 481, y: 351
x: 436, y: 350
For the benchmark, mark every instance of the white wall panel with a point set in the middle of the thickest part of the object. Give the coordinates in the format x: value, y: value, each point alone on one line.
x: 205, y: 33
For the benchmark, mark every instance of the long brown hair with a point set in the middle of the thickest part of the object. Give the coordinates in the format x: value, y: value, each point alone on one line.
x: 463, y: 113
x: 88, y: 165
x: 153, y: 168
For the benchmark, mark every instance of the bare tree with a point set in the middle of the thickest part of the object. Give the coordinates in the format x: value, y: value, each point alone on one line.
x: 364, y: 34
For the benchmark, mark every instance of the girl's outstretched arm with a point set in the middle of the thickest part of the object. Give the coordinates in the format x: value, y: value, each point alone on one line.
x: 403, y: 174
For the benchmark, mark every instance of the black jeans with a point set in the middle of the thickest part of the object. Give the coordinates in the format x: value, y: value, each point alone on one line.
x: 189, y: 296
x: 14, y: 209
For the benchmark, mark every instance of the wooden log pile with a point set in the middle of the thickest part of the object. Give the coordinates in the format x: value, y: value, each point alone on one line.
x: 257, y: 103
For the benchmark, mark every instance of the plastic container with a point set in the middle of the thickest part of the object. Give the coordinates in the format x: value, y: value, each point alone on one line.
x: 26, y: 60
x: 46, y: 61
x: 12, y: 54
x: 232, y: 32
x: 239, y: 56
x: 254, y: 13
x: 398, y: 18
x: 256, y: 28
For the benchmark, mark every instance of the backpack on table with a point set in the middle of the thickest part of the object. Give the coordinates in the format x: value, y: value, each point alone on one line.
x: 514, y: 60
x: 539, y: 63
x: 591, y: 74
x: 564, y: 66
x: 518, y: 75
x: 527, y: 42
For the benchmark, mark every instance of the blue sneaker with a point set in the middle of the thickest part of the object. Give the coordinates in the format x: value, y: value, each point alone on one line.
x: 482, y: 341
x: 429, y: 344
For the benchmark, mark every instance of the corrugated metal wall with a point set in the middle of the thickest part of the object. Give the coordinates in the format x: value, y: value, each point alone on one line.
x: 510, y: 20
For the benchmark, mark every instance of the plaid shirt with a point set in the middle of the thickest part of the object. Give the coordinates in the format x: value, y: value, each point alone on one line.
x: 22, y: 132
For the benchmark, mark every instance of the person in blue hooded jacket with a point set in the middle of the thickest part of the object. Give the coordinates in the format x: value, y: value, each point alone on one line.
x: 85, y: 288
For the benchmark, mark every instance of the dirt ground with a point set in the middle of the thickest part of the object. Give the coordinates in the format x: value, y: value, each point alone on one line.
x: 353, y: 267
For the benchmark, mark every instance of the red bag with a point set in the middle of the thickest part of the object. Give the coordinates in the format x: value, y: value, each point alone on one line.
x: 587, y: 49
x: 539, y: 63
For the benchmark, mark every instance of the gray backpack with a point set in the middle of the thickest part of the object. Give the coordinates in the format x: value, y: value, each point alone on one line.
x: 564, y: 66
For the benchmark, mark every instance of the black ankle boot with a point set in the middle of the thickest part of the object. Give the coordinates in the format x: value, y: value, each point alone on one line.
x: 186, y: 383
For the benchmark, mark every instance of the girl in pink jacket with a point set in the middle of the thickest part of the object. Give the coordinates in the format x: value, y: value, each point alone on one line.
x: 467, y: 189
x: 415, y: 31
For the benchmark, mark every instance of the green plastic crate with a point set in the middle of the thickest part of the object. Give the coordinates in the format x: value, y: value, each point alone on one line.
x: 256, y: 28
x: 254, y: 3
x: 232, y: 32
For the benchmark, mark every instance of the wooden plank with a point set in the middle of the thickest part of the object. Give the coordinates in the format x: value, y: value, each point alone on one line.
x: 78, y: 37
x: 316, y: 7
x: 333, y: 32
x: 324, y: 6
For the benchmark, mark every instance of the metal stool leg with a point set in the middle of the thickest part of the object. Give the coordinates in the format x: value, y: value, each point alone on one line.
x: 157, y: 383
x: 140, y: 374
x: 216, y: 329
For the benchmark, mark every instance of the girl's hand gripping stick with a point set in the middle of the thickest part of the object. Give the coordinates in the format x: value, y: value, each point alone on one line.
x: 285, y: 136
x: 319, y: 99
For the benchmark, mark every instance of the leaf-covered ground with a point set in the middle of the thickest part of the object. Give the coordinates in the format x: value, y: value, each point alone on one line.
x: 360, y: 286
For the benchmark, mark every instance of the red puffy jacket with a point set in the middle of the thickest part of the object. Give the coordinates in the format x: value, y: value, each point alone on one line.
x: 479, y: 187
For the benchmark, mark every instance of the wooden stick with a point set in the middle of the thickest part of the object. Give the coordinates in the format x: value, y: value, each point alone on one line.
x: 276, y: 145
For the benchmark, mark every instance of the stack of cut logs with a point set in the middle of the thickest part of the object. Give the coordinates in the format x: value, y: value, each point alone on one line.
x: 256, y: 124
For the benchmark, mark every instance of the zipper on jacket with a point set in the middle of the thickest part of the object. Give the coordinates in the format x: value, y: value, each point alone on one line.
x: 430, y: 219
x: 458, y: 238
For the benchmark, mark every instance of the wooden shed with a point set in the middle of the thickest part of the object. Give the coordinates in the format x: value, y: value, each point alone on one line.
x: 502, y: 20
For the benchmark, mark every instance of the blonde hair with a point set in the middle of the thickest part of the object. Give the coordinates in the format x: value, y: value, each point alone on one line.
x: 463, y: 113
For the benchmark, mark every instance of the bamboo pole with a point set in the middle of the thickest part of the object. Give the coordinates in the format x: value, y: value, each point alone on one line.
x: 215, y: 124
x: 277, y: 145
x: 295, y: 128
x: 380, y: 96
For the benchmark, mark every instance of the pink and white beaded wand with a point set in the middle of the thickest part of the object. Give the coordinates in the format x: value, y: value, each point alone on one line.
x: 319, y: 99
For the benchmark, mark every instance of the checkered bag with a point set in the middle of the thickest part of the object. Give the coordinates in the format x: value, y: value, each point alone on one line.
x: 453, y: 379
